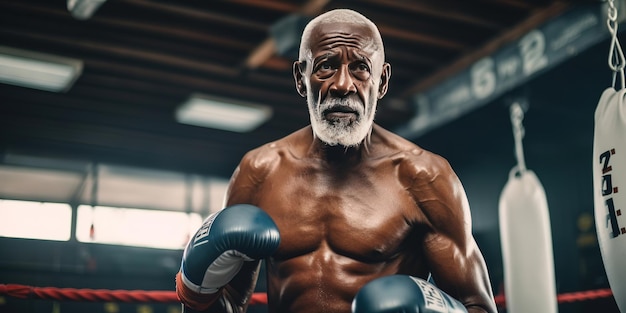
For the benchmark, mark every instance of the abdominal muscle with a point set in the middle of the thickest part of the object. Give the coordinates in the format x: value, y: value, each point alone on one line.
x: 321, y: 281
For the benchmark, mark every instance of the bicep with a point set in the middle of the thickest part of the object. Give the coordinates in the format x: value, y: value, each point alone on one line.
x: 451, y: 252
x: 454, y: 259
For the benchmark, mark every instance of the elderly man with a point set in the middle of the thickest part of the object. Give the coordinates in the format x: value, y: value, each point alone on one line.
x: 347, y: 215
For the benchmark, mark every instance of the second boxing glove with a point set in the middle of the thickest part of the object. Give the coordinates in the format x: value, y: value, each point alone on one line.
x: 226, y: 239
x: 403, y: 294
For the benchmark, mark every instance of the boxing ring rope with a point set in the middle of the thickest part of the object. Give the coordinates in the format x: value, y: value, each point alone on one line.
x: 569, y: 297
x: 100, y: 295
x: 103, y: 295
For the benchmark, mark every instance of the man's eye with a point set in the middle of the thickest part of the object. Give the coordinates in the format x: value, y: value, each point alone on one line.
x: 362, y: 67
x: 325, y: 67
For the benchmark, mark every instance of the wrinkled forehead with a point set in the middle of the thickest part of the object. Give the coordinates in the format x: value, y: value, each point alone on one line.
x: 338, y: 34
x: 360, y: 36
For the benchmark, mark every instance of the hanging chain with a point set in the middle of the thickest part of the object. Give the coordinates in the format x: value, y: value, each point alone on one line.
x: 517, y: 115
x: 616, y: 55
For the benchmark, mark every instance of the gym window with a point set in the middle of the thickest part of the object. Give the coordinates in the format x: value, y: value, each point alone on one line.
x: 135, y: 227
x: 35, y: 220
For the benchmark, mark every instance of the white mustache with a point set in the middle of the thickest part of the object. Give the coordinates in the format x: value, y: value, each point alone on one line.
x: 349, y: 103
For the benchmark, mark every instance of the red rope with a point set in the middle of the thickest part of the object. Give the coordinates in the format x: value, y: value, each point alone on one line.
x: 96, y: 295
x: 569, y: 297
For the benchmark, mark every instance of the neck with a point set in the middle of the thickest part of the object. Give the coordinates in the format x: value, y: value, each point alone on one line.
x: 339, y: 154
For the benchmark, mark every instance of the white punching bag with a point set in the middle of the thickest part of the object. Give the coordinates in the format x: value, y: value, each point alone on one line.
x: 609, y: 188
x: 526, y: 238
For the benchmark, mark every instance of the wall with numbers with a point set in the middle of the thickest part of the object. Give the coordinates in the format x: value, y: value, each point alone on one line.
x: 559, y: 119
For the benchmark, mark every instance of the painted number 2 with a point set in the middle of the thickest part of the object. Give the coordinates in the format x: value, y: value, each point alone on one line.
x: 609, y: 190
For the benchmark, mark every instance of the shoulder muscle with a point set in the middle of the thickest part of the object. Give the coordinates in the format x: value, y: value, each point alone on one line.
x: 437, y: 191
x: 251, y: 172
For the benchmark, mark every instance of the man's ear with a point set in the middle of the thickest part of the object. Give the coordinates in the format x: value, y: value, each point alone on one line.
x: 298, y: 68
x: 384, y: 80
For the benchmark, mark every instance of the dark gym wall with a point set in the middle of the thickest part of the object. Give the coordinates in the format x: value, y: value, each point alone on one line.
x: 558, y: 148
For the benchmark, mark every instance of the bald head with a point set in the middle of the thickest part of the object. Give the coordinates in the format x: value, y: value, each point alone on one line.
x: 339, y: 16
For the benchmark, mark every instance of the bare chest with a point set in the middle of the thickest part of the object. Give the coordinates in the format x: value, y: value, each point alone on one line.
x: 362, y: 213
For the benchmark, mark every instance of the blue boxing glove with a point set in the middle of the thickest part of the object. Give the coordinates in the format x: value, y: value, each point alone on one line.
x: 216, y: 253
x: 404, y: 294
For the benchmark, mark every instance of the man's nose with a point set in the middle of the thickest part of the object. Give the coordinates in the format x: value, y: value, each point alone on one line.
x: 343, y: 83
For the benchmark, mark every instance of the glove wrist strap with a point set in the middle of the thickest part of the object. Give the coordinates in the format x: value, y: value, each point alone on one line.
x: 193, y: 300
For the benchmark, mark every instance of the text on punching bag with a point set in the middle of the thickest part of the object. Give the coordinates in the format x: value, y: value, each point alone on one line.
x: 608, y: 190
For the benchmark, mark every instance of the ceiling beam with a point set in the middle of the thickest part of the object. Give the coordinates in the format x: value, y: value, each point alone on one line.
x: 58, y: 16
x: 133, y: 53
x: 449, y: 13
x: 204, y: 15
x: 199, y: 84
x: 285, y: 7
x: 518, y: 4
x: 414, y: 36
x: 267, y: 48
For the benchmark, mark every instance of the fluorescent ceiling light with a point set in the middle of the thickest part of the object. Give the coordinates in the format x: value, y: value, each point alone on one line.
x: 38, y: 70
x: 83, y: 9
x: 226, y: 114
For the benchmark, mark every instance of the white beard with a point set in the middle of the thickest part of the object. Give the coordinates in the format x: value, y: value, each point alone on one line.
x: 347, y: 133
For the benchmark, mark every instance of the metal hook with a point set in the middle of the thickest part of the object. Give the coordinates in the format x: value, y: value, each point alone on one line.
x: 616, y: 59
x: 616, y: 54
